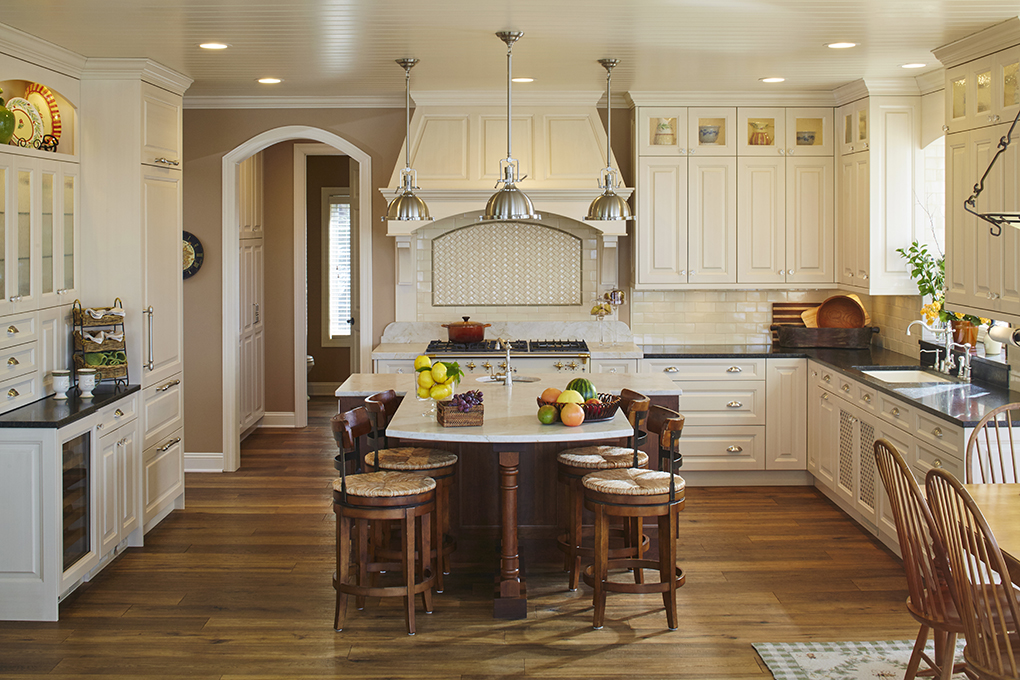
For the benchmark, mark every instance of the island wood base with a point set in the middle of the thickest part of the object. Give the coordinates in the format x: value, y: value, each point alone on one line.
x: 511, y: 601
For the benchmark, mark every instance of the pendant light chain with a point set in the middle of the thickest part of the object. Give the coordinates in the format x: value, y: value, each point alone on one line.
x: 406, y: 206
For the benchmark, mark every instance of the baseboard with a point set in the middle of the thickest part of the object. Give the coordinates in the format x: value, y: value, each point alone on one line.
x: 322, y: 389
x: 203, y: 462
x: 277, y: 419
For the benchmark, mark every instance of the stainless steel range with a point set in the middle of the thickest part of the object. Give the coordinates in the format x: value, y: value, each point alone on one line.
x: 526, y: 356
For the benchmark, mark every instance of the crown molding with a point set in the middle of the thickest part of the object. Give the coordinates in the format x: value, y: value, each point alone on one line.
x: 813, y: 98
x: 984, y: 42
x: 871, y: 87
x: 498, y: 98
x: 932, y: 81
x: 382, y: 102
x: 18, y: 44
x: 136, y: 69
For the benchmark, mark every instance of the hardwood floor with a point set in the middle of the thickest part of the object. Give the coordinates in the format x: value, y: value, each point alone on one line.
x: 237, y: 585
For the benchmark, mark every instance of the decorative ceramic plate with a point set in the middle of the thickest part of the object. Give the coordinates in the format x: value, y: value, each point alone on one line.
x: 194, y: 254
x: 28, y: 124
x: 42, y: 98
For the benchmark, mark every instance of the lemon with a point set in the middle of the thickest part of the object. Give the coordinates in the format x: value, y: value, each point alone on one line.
x: 422, y: 361
x: 423, y: 392
x: 451, y: 381
x: 440, y: 391
x: 439, y: 372
x: 570, y: 397
x: 425, y: 379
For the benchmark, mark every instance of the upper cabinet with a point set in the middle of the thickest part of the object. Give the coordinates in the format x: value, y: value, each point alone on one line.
x: 983, y: 92
x: 854, y: 123
x: 683, y: 131
x: 784, y: 131
x: 162, y: 126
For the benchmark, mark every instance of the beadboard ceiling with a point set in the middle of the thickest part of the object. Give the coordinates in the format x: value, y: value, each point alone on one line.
x: 345, y: 48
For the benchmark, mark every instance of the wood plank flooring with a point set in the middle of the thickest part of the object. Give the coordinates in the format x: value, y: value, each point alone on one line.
x: 237, y: 585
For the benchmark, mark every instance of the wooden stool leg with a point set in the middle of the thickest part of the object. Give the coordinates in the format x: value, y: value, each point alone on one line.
x: 601, y: 566
x: 443, y: 520
x: 437, y: 534
x: 407, y: 559
x: 343, y: 568
x: 363, y: 576
x: 634, y: 540
x: 573, y: 555
x: 667, y: 563
x: 425, y: 565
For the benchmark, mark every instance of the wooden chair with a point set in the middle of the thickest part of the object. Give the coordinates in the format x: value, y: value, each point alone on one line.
x: 924, y: 561
x: 573, y: 464
x: 371, y: 497
x: 982, y: 588
x: 639, y: 493
x: 993, y: 449
x: 435, y: 463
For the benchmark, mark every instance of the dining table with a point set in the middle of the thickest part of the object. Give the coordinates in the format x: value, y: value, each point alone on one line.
x: 1000, y: 505
x: 509, y: 429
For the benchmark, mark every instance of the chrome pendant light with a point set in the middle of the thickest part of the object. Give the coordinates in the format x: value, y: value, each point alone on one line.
x: 509, y: 203
x: 407, y: 206
x: 610, y: 205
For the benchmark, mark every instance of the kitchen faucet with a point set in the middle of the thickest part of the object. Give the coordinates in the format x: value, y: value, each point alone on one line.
x: 508, y: 376
x: 964, y: 373
x: 946, y: 363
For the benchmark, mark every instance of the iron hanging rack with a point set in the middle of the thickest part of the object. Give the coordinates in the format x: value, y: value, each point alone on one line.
x: 970, y: 205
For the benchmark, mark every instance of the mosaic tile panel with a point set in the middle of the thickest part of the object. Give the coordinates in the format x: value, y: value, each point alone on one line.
x: 506, y: 264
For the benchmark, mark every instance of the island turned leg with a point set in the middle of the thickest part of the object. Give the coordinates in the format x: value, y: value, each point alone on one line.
x: 511, y: 599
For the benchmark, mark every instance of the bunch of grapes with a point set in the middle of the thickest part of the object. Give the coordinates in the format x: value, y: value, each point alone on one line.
x: 465, y: 400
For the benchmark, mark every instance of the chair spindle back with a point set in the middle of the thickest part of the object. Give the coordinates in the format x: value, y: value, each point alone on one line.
x: 667, y: 424
x: 348, y: 428
x: 635, y: 405
x: 993, y: 449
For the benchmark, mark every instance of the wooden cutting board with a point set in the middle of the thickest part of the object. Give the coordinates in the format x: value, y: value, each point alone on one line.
x: 810, y: 316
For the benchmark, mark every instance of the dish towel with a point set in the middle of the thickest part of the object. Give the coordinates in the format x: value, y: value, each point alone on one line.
x: 103, y: 311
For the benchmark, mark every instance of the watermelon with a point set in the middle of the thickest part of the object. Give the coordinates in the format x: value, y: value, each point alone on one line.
x: 584, y: 387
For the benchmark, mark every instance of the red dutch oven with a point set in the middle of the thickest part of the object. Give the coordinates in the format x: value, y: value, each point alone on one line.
x: 466, y: 331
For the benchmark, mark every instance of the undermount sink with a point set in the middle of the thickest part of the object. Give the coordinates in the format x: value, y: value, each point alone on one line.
x: 905, y: 375
x: 517, y: 379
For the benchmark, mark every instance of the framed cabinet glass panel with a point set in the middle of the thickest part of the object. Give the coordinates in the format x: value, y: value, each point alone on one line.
x: 662, y: 131
x: 809, y: 132
x: 712, y: 131
x: 22, y: 288
x: 762, y: 132
x: 1007, y: 70
x: 69, y: 235
x: 5, y: 213
x: 46, y: 225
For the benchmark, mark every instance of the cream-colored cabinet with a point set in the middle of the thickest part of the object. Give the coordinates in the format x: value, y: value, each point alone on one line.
x: 251, y: 333
x: 251, y: 202
x: 983, y: 91
x: 118, y: 511
x: 784, y: 132
x: 854, y: 126
x: 712, y: 220
x: 162, y: 127
x: 786, y: 413
x: 683, y: 131
x: 614, y: 365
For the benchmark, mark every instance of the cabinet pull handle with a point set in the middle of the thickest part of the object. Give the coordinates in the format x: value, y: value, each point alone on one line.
x: 12, y: 330
x: 11, y: 393
x: 169, y: 444
x: 734, y: 404
x: 937, y: 432
x: 118, y: 413
x: 164, y: 388
x: 867, y: 398
x: 945, y: 128
x: 151, y: 364
x: 825, y: 396
x: 612, y: 370
x: 734, y: 369
x: 814, y: 374
x: 734, y: 449
x: 167, y: 161
x: 845, y: 388
x: 258, y: 315
x: 12, y: 362
x: 15, y: 298
x: 671, y: 369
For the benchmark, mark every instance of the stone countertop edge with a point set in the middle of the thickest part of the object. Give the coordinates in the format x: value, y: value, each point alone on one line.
x: 50, y: 412
x: 650, y: 384
x: 397, y: 351
x: 963, y: 403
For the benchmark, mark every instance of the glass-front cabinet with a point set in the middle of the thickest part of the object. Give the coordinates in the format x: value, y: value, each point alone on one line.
x: 683, y: 131
x: 784, y: 131
x: 710, y: 131
x: 854, y: 123
x: 983, y: 92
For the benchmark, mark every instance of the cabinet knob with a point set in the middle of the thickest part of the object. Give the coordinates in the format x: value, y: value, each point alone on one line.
x: 789, y: 272
x: 825, y: 396
x: 864, y: 145
x: 827, y: 378
x: 400, y: 370
x: 867, y: 398
x: 734, y: 449
x: 690, y: 152
x: 781, y: 151
x: 734, y: 369
x: 734, y: 404
x: 937, y: 463
x: 12, y: 330
x: 11, y: 393
x: 671, y: 369
x: 790, y: 152
x: 612, y: 370
x: 945, y: 128
x: 814, y: 374
x: 12, y: 362
x: 937, y: 432
x: 895, y: 412
x: 683, y: 272
x: 845, y: 388
x: 118, y: 413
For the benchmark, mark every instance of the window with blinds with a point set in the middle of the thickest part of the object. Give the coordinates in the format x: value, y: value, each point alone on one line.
x: 337, y: 293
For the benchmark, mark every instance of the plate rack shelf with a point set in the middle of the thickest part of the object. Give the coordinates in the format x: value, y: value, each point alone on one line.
x: 99, y: 341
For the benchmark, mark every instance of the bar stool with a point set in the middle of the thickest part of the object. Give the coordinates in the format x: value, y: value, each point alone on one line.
x: 573, y: 464
x: 435, y: 463
x: 367, y: 498
x: 638, y: 493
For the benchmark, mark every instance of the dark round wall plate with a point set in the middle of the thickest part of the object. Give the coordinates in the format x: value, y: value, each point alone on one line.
x: 193, y: 255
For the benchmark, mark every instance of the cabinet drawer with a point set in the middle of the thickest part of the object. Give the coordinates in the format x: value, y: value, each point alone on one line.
x: 846, y: 388
x: 706, y: 369
x: 928, y: 457
x: 394, y: 366
x: 18, y: 329
x: 19, y: 360
x: 867, y: 398
x: 723, y: 403
x: 896, y: 412
x: 723, y: 448
x: 162, y: 474
x: 940, y: 433
x: 115, y: 415
x: 163, y: 408
x: 20, y: 391
x: 614, y: 365
x: 823, y: 377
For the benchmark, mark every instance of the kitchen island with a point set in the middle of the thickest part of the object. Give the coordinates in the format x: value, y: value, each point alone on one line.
x: 512, y: 452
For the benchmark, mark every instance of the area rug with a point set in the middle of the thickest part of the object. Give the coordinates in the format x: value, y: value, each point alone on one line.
x: 841, y: 660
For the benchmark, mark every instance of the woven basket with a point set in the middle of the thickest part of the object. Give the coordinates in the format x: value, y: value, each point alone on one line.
x: 86, y: 320
x: 448, y: 415
x: 83, y: 345
x: 593, y: 412
x: 114, y: 372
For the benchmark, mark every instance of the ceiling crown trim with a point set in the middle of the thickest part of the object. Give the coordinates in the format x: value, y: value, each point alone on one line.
x: 976, y: 45
x: 135, y: 69
x: 704, y: 98
x: 16, y: 43
x: 342, y: 102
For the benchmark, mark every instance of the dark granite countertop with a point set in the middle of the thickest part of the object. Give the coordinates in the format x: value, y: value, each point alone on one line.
x: 963, y: 403
x: 56, y: 413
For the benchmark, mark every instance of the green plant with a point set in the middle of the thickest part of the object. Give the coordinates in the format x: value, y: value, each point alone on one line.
x: 929, y: 273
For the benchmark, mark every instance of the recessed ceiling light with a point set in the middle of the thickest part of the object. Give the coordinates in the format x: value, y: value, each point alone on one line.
x: 270, y: 81
x: 523, y: 80
x: 913, y: 66
x: 841, y: 45
x: 772, y: 80
x: 214, y: 46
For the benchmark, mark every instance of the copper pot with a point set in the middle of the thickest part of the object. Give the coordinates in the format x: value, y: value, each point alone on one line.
x: 466, y: 331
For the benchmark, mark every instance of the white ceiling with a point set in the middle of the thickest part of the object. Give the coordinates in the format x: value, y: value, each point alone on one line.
x: 346, y: 48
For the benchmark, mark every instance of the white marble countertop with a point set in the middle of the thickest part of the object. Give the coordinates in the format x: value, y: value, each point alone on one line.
x: 409, y: 350
x: 510, y: 417
x: 649, y: 384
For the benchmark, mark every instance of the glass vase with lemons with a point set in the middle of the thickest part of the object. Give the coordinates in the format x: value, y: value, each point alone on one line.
x: 435, y: 381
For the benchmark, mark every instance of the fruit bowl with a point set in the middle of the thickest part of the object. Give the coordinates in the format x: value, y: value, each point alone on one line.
x: 593, y: 413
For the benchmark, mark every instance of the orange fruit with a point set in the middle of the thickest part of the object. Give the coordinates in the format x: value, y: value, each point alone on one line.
x: 547, y: 414
x: 550, y: 394
x: 572, y: 414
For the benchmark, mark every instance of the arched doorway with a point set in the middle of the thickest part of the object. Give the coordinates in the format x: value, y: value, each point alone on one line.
x: 231, y: 238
